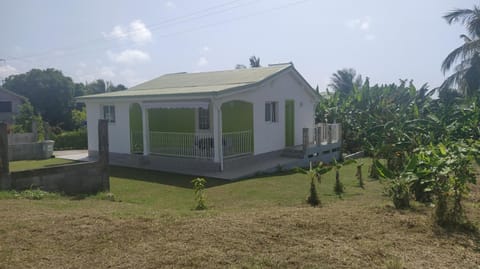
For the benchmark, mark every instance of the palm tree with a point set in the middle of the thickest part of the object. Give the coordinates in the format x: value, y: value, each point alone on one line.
x: 466, y: 75
x: 254, y: 61
x: 344, y: 81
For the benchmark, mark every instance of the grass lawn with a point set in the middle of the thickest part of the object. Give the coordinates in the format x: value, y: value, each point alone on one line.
x: 34, y: 164
x: 261, y: 222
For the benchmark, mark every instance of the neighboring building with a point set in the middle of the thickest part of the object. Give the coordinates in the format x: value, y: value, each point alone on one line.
x: 176, y: 122
x: 10, y: 103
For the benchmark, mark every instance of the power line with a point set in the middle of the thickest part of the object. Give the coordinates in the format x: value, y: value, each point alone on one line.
x: 79, y: 50
x: 216, y: 9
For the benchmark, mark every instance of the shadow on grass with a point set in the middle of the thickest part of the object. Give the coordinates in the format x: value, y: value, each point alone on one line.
x: 172, y: 179
x: 177, y: 180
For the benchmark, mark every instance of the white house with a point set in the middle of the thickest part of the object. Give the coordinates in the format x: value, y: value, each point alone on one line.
x: 206, y: 118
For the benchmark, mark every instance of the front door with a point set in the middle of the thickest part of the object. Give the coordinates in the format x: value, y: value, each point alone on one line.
x: 289, y: 123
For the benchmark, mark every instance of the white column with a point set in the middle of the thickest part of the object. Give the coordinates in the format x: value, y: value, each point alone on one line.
x: 216, y: 138
x: 146, y: 132
x: 217, y: 133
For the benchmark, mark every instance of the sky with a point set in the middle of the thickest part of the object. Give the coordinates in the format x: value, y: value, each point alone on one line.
x: 129, y: 42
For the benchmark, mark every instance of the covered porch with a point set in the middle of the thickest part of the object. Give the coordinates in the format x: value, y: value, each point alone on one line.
x: 192, y: 129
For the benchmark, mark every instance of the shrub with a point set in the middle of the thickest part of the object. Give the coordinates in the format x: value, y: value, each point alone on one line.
x: 338, y: 188
x: 71, y: 140
x: 399, y: 191
x: 198, y: 188
x: 313, y: 198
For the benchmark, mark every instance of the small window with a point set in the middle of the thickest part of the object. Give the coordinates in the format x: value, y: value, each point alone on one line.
x: 5, y: 106
x: 109, y: 113
x: 271, y: 111
x: 203, y: 119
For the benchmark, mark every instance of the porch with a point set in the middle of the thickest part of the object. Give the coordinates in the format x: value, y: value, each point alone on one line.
x: 194, y: 145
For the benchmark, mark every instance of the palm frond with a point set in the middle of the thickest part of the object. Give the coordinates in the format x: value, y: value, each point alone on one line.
x: 463, y: 52
x: 458, y: 15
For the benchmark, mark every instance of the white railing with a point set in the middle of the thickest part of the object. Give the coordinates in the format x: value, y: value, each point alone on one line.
x: 192, y: 145
x: 136, y: 141
x: 237, y: 143
x: 182, y: 144
x: 324, y: 134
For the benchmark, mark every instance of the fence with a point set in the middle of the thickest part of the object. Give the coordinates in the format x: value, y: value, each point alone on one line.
x: 88, y: 177
x: 322, y: 134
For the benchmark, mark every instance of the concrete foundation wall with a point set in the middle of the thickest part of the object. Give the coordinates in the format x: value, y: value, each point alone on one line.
x: 70, y: 179
x: 31, y: 151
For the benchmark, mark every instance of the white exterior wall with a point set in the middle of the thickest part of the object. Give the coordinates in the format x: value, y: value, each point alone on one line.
x: 270, y: 136
x: 118, y: 132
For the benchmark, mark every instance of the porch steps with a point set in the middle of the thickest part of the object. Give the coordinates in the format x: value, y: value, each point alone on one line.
x: 293, y: 152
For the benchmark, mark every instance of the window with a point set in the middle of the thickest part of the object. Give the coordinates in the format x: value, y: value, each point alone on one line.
x: 5, y: 106
x: 271, y: 111
x: 203, y: 119
x: 109, y: 113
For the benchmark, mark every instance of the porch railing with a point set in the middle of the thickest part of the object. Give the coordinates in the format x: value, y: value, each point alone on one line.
x: 323, y: 134
x: 237, y: 143
x: 136, y: 141
x: 191, y: 145
x: 182, y: 144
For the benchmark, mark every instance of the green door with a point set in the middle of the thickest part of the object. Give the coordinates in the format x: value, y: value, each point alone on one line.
x: 289, y: 123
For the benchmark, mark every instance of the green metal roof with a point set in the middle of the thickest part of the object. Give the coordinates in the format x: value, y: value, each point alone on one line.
x: 195, y: 83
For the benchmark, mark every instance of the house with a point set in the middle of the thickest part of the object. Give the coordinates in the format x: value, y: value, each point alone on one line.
x: 10, y: 103
x: 211, y: 121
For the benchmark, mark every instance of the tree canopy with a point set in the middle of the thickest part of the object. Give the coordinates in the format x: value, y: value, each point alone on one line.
x: 49, y: 91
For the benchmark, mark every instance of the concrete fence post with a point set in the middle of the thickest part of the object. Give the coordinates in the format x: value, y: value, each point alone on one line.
x: 35, y: 131
x: 305, y: 139
x: 5, y: 180
x: 103, y: 153
x: 329, y: 134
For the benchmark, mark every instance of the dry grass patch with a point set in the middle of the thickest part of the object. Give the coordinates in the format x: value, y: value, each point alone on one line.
x: 347, y: 234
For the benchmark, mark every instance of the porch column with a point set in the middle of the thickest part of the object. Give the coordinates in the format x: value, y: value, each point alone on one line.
x: 146, y: 132
x: 217, y: 133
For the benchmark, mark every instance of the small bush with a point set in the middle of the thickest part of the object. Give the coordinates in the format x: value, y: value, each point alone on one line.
x: 313, y: 198
x: 338, y: 188
x: 71, y: 140
x: 399, y: 191
x: 198, y: 188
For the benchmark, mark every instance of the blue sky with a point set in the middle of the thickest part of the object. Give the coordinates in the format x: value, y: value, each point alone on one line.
x: 132, y: 41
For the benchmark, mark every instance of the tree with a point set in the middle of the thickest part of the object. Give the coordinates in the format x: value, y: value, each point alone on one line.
x: 102, y: 86
x: 344, y: 81
x: 49, y: 91
x: 254, y: 61
x: 466, y: 75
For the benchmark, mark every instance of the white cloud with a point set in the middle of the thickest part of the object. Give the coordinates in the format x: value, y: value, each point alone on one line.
x: 129, y: 56
x: 202, y: 61
x: 139, y: 33
x: 7, y: 70
x: 136, y: 31
x: 170, y: 4
x: 117, y: 32
x: 362, y: 24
